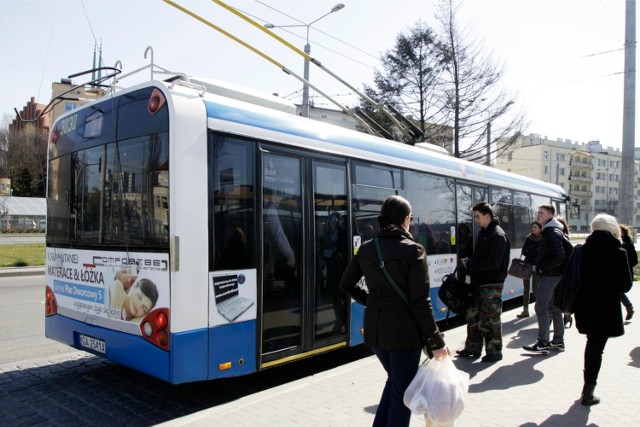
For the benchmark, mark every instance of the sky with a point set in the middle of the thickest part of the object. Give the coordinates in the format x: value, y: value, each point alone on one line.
x: 563, y: 60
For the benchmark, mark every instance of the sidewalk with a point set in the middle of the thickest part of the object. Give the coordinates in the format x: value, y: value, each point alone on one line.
x: 522, y: 390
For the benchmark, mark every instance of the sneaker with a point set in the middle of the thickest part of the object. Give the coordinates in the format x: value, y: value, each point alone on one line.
x: 558, y: 346
x: 537, y: 347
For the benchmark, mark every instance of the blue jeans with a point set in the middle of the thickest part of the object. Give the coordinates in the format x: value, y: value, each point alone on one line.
x: 401, y: 367
x: 544, y: 307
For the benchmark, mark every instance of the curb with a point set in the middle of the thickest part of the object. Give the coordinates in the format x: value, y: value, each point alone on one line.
x: 21, y: 271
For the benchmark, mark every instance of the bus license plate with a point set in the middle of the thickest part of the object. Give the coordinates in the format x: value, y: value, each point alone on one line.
x: 93, y: 344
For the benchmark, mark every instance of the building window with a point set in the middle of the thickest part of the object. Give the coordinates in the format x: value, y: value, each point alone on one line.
x: 561, y: 171
x: 545, y: 154
x: 546, y: 169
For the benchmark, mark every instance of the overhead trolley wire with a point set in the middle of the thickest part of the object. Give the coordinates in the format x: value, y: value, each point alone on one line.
x: 409, y: 135
x: 271, y: 60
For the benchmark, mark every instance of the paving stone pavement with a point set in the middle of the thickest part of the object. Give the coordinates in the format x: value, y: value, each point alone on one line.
x: 521, y: 390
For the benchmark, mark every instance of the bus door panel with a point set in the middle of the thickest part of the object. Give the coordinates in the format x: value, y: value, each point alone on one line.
x: 331, y: 220
x: 283, y: 256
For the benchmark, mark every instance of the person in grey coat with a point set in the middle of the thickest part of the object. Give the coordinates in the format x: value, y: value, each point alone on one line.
x: 604, y: 274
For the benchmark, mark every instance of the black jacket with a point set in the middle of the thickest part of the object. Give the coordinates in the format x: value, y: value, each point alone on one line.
x: 551, y: 257
x: 530, y: 248
x: 605, y: 273
x: 389, y: 323
x: 491, y: 256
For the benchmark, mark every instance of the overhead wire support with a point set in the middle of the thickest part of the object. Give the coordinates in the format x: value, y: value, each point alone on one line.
x: 273, y: 61
x: 408, y: 135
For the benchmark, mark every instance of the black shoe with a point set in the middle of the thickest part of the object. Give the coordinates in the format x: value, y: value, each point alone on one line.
x: 537, y: 347
x: 523, y: 315
x: 568, y: 321
x: 467, y: 353
x: 493, y: 357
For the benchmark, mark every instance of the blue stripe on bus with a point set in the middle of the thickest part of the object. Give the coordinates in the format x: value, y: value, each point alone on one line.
x: 234, y: 343
x: 319, y: 131
x: 125, y: 349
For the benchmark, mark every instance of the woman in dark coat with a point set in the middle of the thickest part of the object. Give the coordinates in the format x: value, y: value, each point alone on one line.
x: 530, y: 252
x: 395, y: 331
x: 605, y: 273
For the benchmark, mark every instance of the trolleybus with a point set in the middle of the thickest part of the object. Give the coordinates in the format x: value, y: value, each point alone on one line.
x: 196, y: 231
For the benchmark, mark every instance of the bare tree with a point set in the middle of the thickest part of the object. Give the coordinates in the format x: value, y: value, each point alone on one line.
x: 451, y: 88
x: 408, y: 81
x: 480, y: 111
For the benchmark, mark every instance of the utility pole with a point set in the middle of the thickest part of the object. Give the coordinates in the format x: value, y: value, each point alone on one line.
x: 626, y: 196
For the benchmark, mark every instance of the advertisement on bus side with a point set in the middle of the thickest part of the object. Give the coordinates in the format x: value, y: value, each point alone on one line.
x: 119, y: 286
x: 232, y: 296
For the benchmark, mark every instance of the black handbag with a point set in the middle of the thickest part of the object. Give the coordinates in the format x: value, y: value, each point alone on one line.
x: 455, y: 294
x: 520, y: 269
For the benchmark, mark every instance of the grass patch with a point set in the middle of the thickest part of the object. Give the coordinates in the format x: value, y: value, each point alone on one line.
x: 21, y: 254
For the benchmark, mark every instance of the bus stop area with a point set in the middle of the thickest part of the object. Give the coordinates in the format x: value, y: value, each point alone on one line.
x: 523, y: 389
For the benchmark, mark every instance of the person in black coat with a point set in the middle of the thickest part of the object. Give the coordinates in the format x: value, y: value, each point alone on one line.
x: 632, y: 257
x: 530, y: 252
x: 394, y: 330
x: 487, y: 270
x: 604, y: 274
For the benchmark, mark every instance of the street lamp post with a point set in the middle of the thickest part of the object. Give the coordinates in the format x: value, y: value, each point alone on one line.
x: 307, y: 50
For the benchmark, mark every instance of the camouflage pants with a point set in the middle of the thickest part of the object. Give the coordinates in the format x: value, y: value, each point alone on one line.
x: 483, y: 320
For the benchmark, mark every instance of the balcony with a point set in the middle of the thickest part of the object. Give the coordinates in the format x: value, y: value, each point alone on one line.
x: 581, y: 166
x: 586, y: 179
x: 577, y: 193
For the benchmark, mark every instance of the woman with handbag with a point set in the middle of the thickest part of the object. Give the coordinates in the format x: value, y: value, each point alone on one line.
x: 395, y: 330
x: 530, y: 252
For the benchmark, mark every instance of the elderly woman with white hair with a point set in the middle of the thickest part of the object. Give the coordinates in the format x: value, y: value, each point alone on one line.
x: 605, y: 272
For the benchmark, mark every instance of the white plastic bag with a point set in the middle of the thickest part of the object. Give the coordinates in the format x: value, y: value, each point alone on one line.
x: 438, y: 390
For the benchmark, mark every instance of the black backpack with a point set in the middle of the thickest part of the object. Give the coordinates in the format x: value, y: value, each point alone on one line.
x: 564, y: 295
x: 455, y: 294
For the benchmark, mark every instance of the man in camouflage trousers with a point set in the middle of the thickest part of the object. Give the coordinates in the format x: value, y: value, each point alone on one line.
x: 487, y: 270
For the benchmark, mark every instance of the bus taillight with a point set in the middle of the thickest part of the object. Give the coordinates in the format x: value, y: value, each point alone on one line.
x: 50, y: 305
x: 54, y: 135
x: 156, y: 101
x: 155, y: 328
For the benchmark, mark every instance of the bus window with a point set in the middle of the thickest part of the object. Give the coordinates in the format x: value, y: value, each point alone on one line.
x: 137, y: 191
x: 501, y: 201
x: 58, y: 200
x: 433, y: 201
x: 233, y: 208
x: 86, y: 200
x: 523, y: 216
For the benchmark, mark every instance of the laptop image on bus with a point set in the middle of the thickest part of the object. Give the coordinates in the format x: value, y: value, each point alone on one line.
x: 228, y: 301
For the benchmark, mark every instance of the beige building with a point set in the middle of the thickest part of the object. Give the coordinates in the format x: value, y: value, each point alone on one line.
x: 588, y: 172
x: 74, y: 97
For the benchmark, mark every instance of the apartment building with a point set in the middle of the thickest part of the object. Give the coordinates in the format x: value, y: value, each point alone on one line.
x: 589, y: 173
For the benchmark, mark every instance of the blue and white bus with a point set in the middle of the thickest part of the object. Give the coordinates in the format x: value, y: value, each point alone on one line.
x: 196, y: 232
